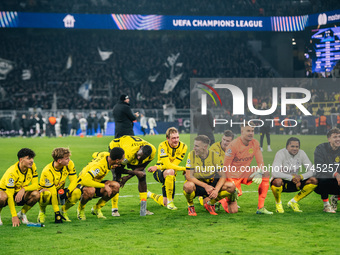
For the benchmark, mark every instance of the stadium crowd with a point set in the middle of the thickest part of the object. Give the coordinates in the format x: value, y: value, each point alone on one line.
x: 139, y: 63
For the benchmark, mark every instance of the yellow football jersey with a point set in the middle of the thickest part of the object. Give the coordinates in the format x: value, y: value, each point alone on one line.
x: 53, y: 180
x: 14, y: 180
x: 52, y: 177
x: 216, y: 147
x: 170, y: 158
x: 206, y: 169
x: 131, y: 145
x: 93, y: 173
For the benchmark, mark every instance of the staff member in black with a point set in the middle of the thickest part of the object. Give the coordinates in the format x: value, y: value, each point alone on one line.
x: 123, y: 117
x: 327, y: 168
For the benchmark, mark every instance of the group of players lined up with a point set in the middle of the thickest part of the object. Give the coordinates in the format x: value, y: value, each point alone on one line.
x: 130, y: 155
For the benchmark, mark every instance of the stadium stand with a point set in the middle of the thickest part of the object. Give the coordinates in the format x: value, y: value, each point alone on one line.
x: 133, y: 67
x: 190, y: 7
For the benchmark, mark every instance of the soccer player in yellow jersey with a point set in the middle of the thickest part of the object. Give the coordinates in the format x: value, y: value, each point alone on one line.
x: 90, y: 182
x: 138, y: 154
x: 170, y: 153
x: 52, y: 181
x: 219, y: 148
x: 205, y: 177
x: 15, y: 187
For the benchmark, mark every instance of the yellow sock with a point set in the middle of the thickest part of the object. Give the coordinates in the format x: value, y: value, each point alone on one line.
x: 306, y: 190
x: 114, y: 201
x: 101, y: 202
x: 72, y: 200
x: 190, y: 197
x: 222, y: 194
x: 277, y: 193
x: 143, y: 196
x: 25, y: 208
x: 169, y: 186
x: 81, y: 206
x: 45, y: 198
x: 157, y: 198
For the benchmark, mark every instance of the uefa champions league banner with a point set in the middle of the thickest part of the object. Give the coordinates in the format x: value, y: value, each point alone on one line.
x: 164, y: 22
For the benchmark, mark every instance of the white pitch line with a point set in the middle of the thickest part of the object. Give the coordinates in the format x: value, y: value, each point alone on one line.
x: 128, y: 184
x: 179, y: 194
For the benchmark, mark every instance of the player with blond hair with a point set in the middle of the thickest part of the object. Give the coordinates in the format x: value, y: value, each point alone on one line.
x: 171, y: 152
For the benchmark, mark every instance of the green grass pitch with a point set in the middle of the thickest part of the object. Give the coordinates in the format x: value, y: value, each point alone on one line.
x: 168, y: 232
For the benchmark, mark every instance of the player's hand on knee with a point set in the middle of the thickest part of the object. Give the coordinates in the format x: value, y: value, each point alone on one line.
x: 213, y: 194
x: 152, y: 169
x: 20, y: 195
x: 58, y: 218
x: 209, y: 189
x: 298, y: 185
x: 108, y: 189
x: 296, y: 179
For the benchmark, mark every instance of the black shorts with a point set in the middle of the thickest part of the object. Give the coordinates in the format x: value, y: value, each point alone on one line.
x: 200, y: 191
x: 289, y: 186
x: 327, y: 187
x: 97, y: 192
x: 158, y: 176
x: 21, y: 203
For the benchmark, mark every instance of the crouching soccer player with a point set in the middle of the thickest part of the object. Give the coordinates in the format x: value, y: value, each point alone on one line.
x: 286, y: 178
x: 326, y: 162
x: 205, y: 177
x: 138, y: 154
x: 15, y: 187
x: 170, y: 154
x: 52, y: 182
x: 219, y: 148
x: 90, y: 182
x: 238, y: 157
